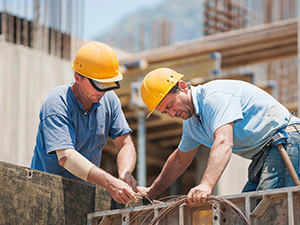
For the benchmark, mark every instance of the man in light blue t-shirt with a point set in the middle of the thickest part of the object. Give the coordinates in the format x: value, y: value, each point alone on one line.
x: 227, y: 116
x: 77, y: 119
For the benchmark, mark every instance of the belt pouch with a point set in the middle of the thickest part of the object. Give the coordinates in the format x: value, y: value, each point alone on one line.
x: 258, y: 160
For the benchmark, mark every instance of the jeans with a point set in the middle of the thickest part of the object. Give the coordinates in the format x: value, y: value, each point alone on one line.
x: 274, y: 173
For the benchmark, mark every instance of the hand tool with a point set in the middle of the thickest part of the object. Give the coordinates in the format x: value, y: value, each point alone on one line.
x: 279, y: 138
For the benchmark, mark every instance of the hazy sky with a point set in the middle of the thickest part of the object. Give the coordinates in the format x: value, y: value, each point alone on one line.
x: 100, y: 15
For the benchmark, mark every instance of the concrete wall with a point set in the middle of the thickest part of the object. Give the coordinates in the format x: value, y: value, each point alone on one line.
x: 26, y: 76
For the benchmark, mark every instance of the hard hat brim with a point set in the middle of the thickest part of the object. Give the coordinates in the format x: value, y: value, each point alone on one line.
x: 151, y: 112
x: 109, y: 80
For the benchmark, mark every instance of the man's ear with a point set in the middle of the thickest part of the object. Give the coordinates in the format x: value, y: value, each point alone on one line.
x: 183, y: 86
x: 77, y: 77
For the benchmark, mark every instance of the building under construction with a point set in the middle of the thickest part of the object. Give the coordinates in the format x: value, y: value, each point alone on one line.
x: 255, y: 41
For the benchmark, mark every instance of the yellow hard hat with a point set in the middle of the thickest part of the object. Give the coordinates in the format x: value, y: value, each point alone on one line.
x: 156, y: 85
x: 98, y: 62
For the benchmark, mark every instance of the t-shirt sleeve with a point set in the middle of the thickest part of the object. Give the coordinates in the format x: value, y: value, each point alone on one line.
x: 119, y: 125
x: 58, y: 133
x: 187, y: 143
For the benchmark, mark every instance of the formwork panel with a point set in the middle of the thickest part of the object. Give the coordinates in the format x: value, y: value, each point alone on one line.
x: 31, y: 197
x: 202, y: 216
x: 276, y: 207
x: 273, y: 207
x: 296, y: 207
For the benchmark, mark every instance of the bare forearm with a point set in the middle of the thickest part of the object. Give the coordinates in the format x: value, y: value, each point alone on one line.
x: 126, y: 160
x: 218, y: 159
x: 167, y: 176
x: 173, y: 168
x: 99, y: 177
x: 217, y: 162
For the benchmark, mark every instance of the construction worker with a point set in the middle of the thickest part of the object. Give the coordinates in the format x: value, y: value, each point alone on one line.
x: 77, y: 119
x: 227, y: 116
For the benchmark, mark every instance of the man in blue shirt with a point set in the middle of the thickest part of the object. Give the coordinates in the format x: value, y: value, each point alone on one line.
x: 227, y: 116
x: 77, y: 119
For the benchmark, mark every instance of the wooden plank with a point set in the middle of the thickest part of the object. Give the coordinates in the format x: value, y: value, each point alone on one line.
x: 203, y: 65
x: 259, y: 56
x: 221, y: 41
x: 265, y: 46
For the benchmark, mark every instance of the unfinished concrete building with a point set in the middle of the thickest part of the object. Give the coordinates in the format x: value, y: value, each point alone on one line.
x: 38, y: 55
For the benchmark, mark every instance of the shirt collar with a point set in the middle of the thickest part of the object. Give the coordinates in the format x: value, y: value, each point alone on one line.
x: 194, y: 93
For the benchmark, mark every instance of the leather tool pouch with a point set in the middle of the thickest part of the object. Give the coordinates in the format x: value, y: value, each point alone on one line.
x: 258, y: 160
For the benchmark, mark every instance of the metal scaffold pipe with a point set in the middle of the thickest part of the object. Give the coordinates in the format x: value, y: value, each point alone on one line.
x: 298, y: 59
x: 141, y: 149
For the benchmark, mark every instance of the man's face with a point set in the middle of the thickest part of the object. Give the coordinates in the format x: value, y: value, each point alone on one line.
x: 177, y: 104
x: 88, y: 92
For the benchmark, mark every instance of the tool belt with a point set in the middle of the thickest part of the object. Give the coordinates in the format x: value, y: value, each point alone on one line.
x: 258, y: 160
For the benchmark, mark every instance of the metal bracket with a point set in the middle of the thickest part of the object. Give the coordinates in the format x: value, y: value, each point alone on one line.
x: 262, y: 206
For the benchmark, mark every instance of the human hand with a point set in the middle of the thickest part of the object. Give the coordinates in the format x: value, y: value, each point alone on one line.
x: 130, y: 180
x: 199, y: 193
x: 121, y: 192
x: 145, y: 192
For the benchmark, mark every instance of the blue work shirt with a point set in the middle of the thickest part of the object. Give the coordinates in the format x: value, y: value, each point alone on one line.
x: 255, y: 113
x: 65, y: 124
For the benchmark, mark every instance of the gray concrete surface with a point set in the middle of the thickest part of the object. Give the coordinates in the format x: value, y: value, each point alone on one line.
x: 26, y: 76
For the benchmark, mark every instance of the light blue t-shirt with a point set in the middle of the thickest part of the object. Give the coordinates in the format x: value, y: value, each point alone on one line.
x: 64, y: 123
x: 255, y: 113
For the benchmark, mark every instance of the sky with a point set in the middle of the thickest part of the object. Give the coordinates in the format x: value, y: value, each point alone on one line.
x: 101, y: 15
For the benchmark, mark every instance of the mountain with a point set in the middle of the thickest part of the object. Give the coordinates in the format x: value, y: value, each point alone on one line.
x: 168, y: 23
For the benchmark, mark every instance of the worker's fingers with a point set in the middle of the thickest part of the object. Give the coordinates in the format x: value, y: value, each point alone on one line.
x: 133, y: 197
x: 129, y: 196
x: 199, y: 198
x: 142, y: 191
x: 121, y: 192
x: 123, y: 196
x: 198, y: 195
